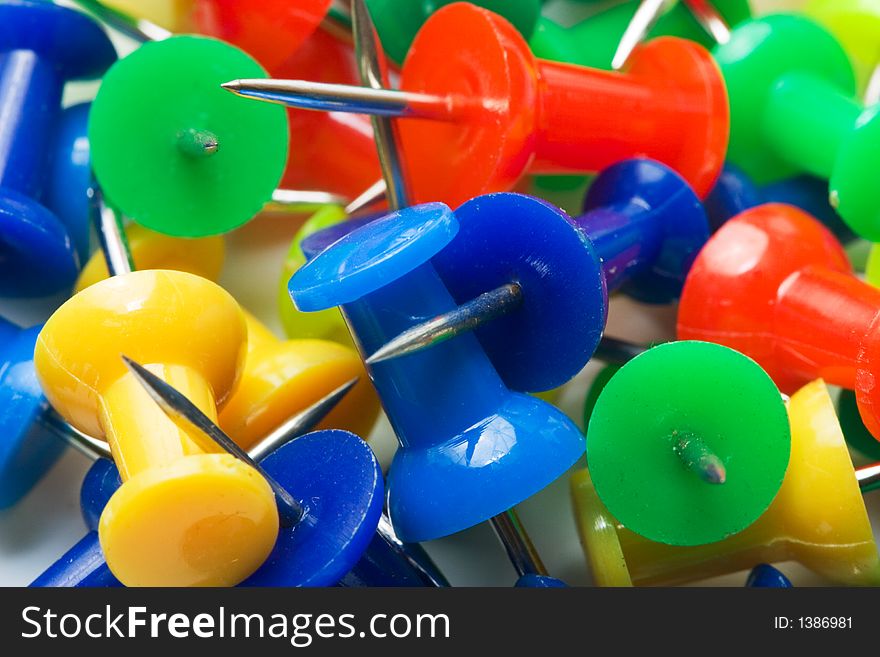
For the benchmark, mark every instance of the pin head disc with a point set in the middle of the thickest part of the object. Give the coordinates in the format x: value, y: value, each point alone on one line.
x: 512, y: 238
x: 372, y: 256
x: 177, y: 153
x: 337, y: 479
x: 705, y: 390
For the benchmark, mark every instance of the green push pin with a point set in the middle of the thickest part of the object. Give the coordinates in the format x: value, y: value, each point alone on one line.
x: 688, y: 443
x: 594, y: 41
x: 398, y: 21
x: 173, y: 150
x: 793, y: 110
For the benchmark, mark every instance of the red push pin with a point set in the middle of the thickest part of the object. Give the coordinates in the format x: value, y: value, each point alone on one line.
x: 774, y: 284
x: 483, y: 111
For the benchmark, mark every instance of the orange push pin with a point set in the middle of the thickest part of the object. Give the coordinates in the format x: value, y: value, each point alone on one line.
x: 184, y: 515
x: 481, y: 111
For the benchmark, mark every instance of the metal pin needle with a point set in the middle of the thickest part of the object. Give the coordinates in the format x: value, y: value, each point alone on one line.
x: 180, y: 409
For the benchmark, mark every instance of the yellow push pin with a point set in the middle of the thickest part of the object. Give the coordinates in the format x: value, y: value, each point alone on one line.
x: 150, y: 250
x: 818, y: 518
x: 183, y: 516
x: 282, y: 377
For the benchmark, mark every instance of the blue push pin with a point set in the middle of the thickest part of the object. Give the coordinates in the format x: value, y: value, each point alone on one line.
x: 735, y: 192
x: 42, y: 46
x: 764, y: 576
x: 335, y: 478
x: 70, y: 176
x: 470, y: 448
x: 549, y: 275
x: 29, y: 443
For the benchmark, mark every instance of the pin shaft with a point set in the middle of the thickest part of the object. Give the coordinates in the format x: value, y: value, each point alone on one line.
x: 697, y: 457
x: 709, y: 19
x: 646, y: 16
x: 516, y: 542
x: 111, y: 235
x: 466, y: 317
x: 329, y: 97
x: 868, y: 477
x: 180, y: 409
x: 373, y: 194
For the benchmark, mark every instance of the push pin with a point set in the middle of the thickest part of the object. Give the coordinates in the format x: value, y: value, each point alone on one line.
x: 774, y: 284
x: 735, y: 192
x: 41, y: 47
x: 189, y: 149
x: 173, y: 487
x: 597, y: 40
x: 856, y: 25
x: 642, y: 228
x: 519, y: 115
x: 817, y: 518
x: 303, y: 562
x: 648, y: 14
x: 793, y: 110
x: 270, y: 31
x: 470, y: 448
x: 529, y: 568
x: 765, y: 576
x: 702, y: 472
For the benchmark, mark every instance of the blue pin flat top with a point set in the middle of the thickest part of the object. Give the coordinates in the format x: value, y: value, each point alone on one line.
x: 513, y: 238
x: 320, y: 240
x: 27, y: 448
x: 336, y: 477
x: 75, y: 44
x: 37, y: 257
x: 373, y: 256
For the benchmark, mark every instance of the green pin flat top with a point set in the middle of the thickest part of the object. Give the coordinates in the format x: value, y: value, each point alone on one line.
x: 705, y: 393
x: 177, y: 153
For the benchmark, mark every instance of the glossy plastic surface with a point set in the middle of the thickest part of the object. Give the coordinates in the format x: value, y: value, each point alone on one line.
x: 173, y: 15
x: 150, y: 250
x: 268, y: 30
x: 505, y: 238
x: 283, y: 377
x: 735, y: 192
x: 469, y: 448
x: 592, y: 42
x: 333, y: 474
x: 138, y: 144
x: 787, y: 77
x: 41, y: 47
x: 514, y: 114
x: 697, y: 389
x: 817, y: 519
x: 646, y: 224
x: 184, y: 516
x: 27, y: 448
x: 70, y: 176
x: 398, y: 21
x: 325, y: 324
x: 774, y: 284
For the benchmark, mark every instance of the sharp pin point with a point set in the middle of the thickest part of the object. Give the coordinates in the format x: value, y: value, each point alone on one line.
x: 303, y: 422
x: 178, y: 408
x: 466, y: 317
x: 698, y: 458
